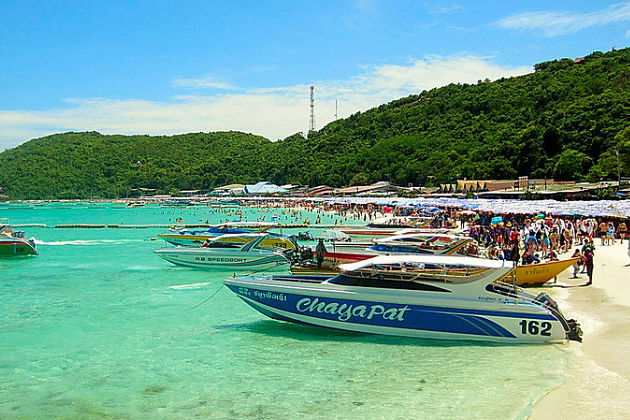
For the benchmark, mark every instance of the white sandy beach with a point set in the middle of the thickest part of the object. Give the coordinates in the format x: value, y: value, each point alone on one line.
x: 597, y: 381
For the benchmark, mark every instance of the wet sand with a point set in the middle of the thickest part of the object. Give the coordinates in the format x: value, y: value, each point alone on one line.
x: 597, y: 379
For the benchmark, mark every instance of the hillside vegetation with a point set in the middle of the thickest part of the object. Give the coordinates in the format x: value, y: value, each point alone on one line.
x: 566, y: 120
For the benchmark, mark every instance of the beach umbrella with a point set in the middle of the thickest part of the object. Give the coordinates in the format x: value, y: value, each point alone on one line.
x: 333, y: 235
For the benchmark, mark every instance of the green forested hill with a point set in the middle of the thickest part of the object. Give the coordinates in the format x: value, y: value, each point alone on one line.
x: 89, y: 164
x: 562, y: 121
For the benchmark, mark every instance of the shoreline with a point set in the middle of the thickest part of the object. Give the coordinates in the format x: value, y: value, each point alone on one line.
x: 597, y: 378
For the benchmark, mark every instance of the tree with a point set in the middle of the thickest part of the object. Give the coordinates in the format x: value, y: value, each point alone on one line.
x: 358, y: 179
x: 571, y: 165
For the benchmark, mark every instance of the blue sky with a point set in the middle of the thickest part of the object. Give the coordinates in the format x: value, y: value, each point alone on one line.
x: 168, y: 67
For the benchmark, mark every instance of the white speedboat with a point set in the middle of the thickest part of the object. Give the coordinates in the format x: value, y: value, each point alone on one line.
x: 223, y: 252
x: 412, y: 244
x: 372, y: 232
x: 443, y: 297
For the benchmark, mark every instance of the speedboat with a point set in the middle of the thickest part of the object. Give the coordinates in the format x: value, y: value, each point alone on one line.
x: 224, y: 252
x: 372, y: 232
x: 14, y: 243
x: 442, y: 297
x: 136, y: 204
x: 413, y: 244
x: 401, y: 222
x: 185, y: 237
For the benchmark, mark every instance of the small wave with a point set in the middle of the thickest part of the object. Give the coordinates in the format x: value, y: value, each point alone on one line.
x: 89, y: 242
x: 189, y: 286
x: 144, y: 268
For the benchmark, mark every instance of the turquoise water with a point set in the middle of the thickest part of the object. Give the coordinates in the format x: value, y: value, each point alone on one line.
x: 96, y: 326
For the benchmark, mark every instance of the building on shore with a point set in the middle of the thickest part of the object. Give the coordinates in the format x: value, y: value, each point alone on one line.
x: 263, y: 188
x: 295, y: 190
x: 378, y: 188
x: 320, y: 191
x: 230, y: 189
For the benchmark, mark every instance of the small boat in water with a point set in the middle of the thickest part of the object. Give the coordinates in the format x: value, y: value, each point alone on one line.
x: 442, y: 297
x: 136, y: 204
x: 185, y: 237
x: 223, y: 252
x: 14, y: 243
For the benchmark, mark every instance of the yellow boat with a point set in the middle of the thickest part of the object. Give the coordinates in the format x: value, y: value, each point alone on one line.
x: 538, y: 274
x: 236, y: 236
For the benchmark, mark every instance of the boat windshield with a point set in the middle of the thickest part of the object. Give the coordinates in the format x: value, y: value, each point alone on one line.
x: 399, y: 249
x: 408, y: 271
x: 384, y: 282
x: 223, y: 245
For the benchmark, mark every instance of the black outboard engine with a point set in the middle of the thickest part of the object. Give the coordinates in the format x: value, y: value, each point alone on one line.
x: 305, y: 236
x: 571, y: 326
x: 301, y: 254
x: 547, y: 301
x: 575, y: 332
x: 306, y: 253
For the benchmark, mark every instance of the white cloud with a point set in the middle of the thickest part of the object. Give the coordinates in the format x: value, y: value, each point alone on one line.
x: 553, y: 23
x: 273, y: 113
x: 207, y: 82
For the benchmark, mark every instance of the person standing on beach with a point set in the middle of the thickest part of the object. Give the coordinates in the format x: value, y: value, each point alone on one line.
x: 603, y: 232
x: 622, y: 229
x: 320, y: 251
x: 589, y: 253
x: 578, y: 263
x: 611, y: 233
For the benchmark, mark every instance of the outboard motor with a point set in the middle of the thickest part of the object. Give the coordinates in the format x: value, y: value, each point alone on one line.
x: 306, y: 253
x: 304, y: 236
x: 301, y: 254
x: 575, y: 332
x: 571, y: 326
x: 547, y: 301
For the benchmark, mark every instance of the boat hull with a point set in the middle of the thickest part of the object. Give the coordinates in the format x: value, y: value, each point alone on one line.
x: 392, y: 314
x: 197, y: 240
x: 16, y: 248
x: 236, y: 260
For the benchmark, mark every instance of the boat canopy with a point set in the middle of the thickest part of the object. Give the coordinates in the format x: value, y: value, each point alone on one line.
x: 251, y: 236
x: 423, y: 237
x: 446, y: 260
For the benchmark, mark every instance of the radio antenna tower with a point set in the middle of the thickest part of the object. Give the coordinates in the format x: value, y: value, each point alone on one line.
x: 312, y: 121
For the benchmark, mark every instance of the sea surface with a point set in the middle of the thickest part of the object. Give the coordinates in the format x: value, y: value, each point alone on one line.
x: 97, y: 326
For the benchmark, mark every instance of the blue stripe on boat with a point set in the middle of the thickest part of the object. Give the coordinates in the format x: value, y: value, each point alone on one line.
x: 416, y: 317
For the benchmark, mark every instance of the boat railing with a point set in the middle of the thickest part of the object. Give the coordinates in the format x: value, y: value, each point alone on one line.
x: 441, y: 274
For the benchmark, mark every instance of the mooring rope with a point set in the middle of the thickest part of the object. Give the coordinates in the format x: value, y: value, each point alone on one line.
x: 211, y: 296
x: 219, y: 289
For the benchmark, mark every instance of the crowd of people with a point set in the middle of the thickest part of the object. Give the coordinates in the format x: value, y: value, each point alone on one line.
x: 528, y: 239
